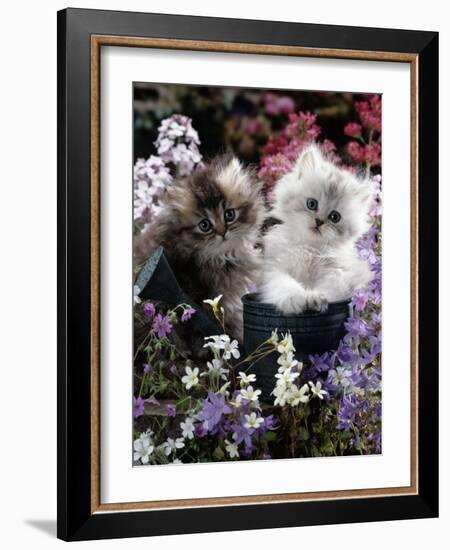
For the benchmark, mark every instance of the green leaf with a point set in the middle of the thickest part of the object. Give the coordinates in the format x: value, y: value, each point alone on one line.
x: 218, y: 453
x: 303, y: 434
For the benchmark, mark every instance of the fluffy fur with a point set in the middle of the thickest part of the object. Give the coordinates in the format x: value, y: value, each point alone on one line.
x: 209, y: 227
x: 309, y: 259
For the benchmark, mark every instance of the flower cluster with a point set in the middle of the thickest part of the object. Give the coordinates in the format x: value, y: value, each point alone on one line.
x: 177, y: 144
x: 178, y: 154
x: 365, y: 148
x: 151, y: 177
x: 276, y: 105
x: 282, y: 150
x: 189, y: 410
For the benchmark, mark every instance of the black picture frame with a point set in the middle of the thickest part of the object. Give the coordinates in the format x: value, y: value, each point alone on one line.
x: 75, y: 518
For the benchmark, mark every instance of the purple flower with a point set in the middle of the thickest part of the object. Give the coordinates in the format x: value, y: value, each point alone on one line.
x: 346, y: 414
x: 171, y: 409
x: 360, y: 300
x: 240, y: 433
x: 345, y: 353
x: 214, y: 407
x: 355, y: 327
x: 270, y: 423
x: 138, y: 407
x: 247, y: 451
x: 321, y: 363
x: 149, y: 309
x: 378, y: 442
x: 173, y: 369
x: 187, y: 314
x: 147, y: 368
x: 161, y: 325
x: 200, y: 430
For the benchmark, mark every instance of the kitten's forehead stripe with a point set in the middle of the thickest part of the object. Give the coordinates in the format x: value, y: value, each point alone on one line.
x: 205, y: 189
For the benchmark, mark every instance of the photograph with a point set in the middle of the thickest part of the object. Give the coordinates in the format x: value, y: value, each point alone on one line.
x: 257, y: 274
x: 247, y: 274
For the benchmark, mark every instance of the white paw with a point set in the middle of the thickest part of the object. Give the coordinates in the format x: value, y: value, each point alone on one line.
x: 316, y: 301
x: 294, y: 303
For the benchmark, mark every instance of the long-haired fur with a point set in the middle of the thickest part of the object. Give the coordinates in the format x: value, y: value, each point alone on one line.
x: 209, y: 227
x: 310, y: 259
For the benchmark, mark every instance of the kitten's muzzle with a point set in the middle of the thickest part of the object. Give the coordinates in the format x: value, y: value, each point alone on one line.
x: 319, y: 222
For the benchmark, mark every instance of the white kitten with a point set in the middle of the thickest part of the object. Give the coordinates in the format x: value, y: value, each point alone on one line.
x: 311, y: 258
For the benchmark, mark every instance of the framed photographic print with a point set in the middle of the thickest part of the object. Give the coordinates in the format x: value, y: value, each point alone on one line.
x: 248, y: 302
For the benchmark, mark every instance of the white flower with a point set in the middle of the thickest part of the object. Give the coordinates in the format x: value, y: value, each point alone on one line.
x: 191, y: 377
x: 273, y: 338
x: 296, y: 395
x: 252, y: 421
x: 287, y: 361
x: 286, y: 345
x: 224, y: 389
x: 151, y: 177
x: 246, y: 378
x: 281, y: 394
x: 286, y: 376
x: 215, y: 369
x: 177, y: 143
x: 214, y: 303
x: 231, y: 349
x: 143, y: 447
x: 136, y: 291
x: 231, y: 448
x: 316, y: 389
x: 340, y: 376
x: 187, y: 428
x: 250, y: 394
x: 218, y: 342
x: 171, y: 445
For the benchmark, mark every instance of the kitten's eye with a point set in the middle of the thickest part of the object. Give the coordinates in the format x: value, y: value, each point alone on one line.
x: 334, y: 216
x: 229, y: 215
x: 205, y: 225
x: 312, y: 204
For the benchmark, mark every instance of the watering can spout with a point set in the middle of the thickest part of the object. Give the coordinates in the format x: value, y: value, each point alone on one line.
x: 157, y: 281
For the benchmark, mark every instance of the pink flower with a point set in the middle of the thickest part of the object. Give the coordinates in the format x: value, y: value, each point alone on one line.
x: 370, y: 112
x: 275, y: 144
x: 286, y: 104
x: 252, y: 126
x: 353, y: 129
x: 356, y: 152
x: 302, y: 125
x: 274, y: 105
x: 273, y: 167
x: 270, y: 104
x: 138, y: 407
x: 372, y: 153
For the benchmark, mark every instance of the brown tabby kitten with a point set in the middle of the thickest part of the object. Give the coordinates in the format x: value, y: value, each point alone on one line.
x: 209, y: 227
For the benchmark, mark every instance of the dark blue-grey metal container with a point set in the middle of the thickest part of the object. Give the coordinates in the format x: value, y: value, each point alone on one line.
x: 312, y: 332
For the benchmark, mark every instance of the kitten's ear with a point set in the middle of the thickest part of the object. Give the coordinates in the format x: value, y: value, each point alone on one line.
x: 237, y: 178
x: 310, y: 159
x: 232, y: 169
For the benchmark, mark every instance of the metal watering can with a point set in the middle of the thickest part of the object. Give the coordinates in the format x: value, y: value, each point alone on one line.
x: 157, y: 281
x: 312, y: 332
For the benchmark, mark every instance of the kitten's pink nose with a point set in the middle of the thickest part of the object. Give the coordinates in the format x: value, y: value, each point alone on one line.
x: 319, y: 222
